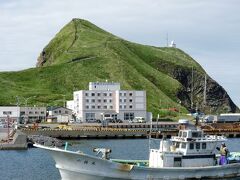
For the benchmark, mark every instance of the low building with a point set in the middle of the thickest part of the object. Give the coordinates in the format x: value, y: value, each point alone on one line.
x: 106, y: 100
x: 9, y: 113
x: 59, y: 114
x: 32, y: 114
x: 22, y: 114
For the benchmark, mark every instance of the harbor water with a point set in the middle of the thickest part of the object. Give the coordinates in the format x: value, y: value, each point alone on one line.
x: 36, y: 164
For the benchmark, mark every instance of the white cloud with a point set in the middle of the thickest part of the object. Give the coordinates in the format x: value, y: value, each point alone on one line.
x: 207, y: 30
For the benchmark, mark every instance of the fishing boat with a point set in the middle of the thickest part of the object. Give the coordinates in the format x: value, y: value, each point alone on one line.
x: 190, y: 155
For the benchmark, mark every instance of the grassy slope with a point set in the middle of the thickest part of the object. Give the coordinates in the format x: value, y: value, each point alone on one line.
x: 98, y: 56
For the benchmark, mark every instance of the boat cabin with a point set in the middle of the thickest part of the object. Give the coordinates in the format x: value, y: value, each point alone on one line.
x: 191, y: 148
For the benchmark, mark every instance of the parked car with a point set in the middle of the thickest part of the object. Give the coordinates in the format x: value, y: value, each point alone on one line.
x: 138, y: 120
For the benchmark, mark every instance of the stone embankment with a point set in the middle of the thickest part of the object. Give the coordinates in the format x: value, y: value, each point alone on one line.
x: 44, y: 140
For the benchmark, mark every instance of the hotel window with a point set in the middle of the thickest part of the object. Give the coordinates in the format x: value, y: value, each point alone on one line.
x: 110, y: 100
x: 130, y: 106
x: 191, y: 146
x: 125, y: 100
x: 87, y: 100
x: 120, y: 94
x: 93, y: 94
x: 130, y: 94
x: 105, y: 107
x: 93, y: 107
x: 130, y: 100
x: 104, y: 100
x: 99, y: 100
x: 125, y: 94
x: 104, y: 94
x: 99, y: 107
x: 111, y: 107
x: 197, y: 145
x: 99, y: 94
x: 204, y: 146
x: 93, y: 100
x: 120, y: 106
x: 86, y: 94
x: 120, y: 100
x: 87, y: 107
x: 90, y: 116
x: 131, y: 116
x: 110, y: 94
x: 128, y: 116
x: 124, y: 106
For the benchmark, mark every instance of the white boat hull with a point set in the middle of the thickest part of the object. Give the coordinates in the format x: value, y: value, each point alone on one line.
x: 78, y: 166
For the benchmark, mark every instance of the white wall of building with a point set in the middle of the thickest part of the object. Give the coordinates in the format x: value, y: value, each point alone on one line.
x: 70, y: 105
x: 106, y: 99
x: 12, y: 111
x: 109, y: 86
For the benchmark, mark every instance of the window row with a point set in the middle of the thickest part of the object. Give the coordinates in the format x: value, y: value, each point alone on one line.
x: 125, y: 94
x: 31, y: 112
x: 193, y: 145
x: 98, y: 100
x: 98, y: 94
x: 125, y: 107
x: 99, y: 107
x: 128, y: 116
x: 125, y: 100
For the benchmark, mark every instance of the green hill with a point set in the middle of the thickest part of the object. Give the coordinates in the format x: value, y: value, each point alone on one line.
x: 81, y: 52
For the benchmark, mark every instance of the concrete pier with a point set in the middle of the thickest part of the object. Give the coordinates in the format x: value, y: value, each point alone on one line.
x: 18, y: 142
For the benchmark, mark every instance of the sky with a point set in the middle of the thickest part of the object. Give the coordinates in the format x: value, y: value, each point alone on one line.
x: 208, y: 30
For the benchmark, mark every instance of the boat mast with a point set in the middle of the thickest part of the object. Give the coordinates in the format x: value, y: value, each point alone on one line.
x: 205, y: 91
x: 192, y: 90
x: 150, y: 135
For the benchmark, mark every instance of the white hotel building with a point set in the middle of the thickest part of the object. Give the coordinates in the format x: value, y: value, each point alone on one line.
x: 105, y: 100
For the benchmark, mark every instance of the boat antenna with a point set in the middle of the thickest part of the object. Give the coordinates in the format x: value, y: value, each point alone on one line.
x: 205, y: 91
x: 192, y: 90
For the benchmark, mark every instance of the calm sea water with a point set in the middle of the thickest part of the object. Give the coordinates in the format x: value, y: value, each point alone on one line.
x: 36, y: 164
